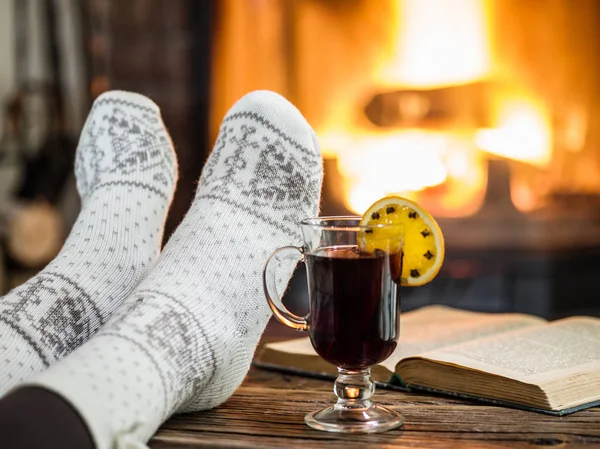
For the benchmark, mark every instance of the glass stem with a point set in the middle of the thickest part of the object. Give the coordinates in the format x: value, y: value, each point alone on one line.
x: 354, y: 388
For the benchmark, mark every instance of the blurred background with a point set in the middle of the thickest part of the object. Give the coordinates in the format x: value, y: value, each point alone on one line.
x: 484, y: 111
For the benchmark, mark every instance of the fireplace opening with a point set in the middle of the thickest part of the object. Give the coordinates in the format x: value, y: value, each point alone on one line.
x: 483, y: 111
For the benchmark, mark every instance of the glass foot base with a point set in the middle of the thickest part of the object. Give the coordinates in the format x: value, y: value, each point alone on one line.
x: 348, y: 419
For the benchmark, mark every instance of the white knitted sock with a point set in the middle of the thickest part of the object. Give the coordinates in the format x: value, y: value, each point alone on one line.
x: 126, y: 171
x: 185, y: 338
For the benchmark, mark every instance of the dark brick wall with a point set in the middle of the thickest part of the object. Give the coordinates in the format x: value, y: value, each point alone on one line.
x: 160, y: 48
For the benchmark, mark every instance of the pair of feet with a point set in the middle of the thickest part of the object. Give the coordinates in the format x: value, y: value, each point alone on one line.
x: 129, y: 337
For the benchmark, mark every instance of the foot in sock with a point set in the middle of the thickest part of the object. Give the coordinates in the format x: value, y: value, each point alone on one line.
x: 184, y: 339
x: 126, y: 171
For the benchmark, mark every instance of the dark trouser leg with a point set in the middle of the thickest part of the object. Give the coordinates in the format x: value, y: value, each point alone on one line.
x: 32, y: 418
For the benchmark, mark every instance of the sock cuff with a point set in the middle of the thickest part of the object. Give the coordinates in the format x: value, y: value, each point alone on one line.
x: 89, y: 380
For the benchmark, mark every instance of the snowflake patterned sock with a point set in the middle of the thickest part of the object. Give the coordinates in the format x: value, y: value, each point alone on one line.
x: 185, y: 338
x: 126, y: 171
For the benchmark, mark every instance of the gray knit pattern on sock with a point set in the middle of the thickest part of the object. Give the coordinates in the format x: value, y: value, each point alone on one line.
x: 185, y: 338
x: 126, y: 173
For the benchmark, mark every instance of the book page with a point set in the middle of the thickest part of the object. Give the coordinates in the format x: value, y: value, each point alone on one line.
x: 434, y: 327
x: 534, y: 355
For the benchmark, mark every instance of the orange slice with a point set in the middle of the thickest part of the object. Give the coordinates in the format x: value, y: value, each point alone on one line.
x: 423, y: 242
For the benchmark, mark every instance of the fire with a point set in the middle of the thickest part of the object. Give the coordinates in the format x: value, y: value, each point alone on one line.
x: 378, y: 165
x: 523, y: 133
x: 437, y: 43
x: 417, y: 164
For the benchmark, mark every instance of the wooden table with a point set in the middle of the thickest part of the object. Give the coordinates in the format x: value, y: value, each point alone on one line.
x: 268, y: 409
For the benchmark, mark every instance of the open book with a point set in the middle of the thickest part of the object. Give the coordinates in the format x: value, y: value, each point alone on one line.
x: 509, y: 359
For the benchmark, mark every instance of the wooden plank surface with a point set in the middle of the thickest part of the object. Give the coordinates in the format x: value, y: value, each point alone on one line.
x: 267, y: 411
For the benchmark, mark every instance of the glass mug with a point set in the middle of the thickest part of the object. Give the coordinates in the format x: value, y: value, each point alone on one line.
x: 354, y: 313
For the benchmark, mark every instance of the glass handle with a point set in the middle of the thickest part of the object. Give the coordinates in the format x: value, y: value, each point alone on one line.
x: 270, y: 285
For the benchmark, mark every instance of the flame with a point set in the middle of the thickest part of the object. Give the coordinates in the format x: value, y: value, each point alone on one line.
x: 439, y: 43
x: 523, y: 133
x: 417, y: 164
x: 402, y: 162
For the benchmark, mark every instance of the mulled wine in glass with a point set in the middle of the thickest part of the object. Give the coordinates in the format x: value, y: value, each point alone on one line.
x: 354, y: 314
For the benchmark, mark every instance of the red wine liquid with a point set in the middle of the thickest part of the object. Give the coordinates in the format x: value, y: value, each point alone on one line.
x: 354, y: 305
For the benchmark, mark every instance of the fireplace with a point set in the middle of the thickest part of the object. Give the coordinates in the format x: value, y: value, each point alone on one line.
x: 483, y: 111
